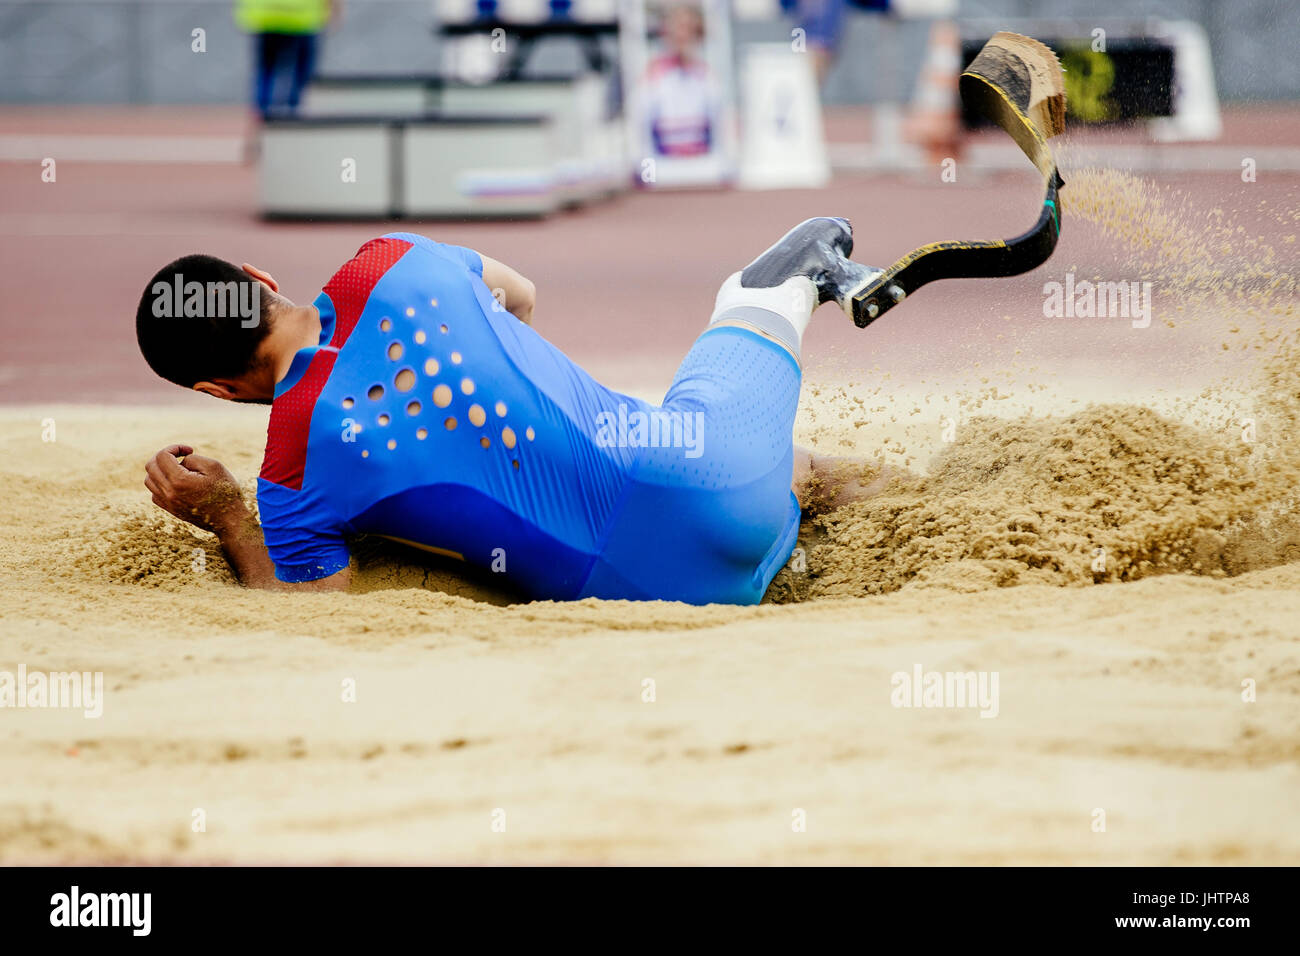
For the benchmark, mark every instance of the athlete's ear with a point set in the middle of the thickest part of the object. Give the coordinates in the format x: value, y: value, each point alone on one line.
x: 263, y: 277
x: 222, y: 388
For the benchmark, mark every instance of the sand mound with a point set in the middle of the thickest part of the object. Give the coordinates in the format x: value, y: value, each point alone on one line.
x: 1113, y: 493
x: 152, y: 549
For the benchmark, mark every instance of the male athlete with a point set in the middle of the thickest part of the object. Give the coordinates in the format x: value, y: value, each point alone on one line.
x: 409, y: 402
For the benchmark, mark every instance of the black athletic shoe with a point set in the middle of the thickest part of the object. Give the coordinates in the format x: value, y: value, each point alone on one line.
x: 819, y: 249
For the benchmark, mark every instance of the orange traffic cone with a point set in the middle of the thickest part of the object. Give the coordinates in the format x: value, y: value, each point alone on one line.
x: 934, y: 122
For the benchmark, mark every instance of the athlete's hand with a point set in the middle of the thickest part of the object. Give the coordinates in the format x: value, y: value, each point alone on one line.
x: 199, y: 490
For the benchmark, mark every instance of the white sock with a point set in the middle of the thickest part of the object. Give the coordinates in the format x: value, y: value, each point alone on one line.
x: 793, y: 301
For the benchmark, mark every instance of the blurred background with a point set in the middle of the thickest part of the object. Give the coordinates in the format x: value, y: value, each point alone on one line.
x: 138, y: 51
x: 626, y: 155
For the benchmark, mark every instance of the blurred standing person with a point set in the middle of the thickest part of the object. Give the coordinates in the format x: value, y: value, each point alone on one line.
x: 681, y: 96
x: 823, y: 23
x: 284, y: 48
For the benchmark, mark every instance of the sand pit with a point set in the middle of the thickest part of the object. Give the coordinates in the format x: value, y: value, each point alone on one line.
x: 1130, y: 572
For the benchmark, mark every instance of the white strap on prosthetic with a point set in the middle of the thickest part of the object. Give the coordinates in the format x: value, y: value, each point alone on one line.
x: 781, y: 312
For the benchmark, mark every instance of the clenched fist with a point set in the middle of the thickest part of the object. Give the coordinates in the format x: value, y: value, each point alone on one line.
x: 199, y: 490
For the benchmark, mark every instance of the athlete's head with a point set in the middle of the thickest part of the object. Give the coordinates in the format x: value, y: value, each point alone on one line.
x: 206, y: 324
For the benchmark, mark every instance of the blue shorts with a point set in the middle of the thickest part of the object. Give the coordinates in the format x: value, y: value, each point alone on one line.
x: 716, y: 521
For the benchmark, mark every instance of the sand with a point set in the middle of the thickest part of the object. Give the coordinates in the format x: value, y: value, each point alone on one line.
x: 1130, y: 572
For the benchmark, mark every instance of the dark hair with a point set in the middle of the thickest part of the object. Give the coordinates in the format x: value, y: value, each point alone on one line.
x: 202, y: 318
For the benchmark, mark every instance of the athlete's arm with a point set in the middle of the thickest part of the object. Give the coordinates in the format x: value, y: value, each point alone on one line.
x: 517, y: 294
x: 241, y: 540
x: 203, y: 492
